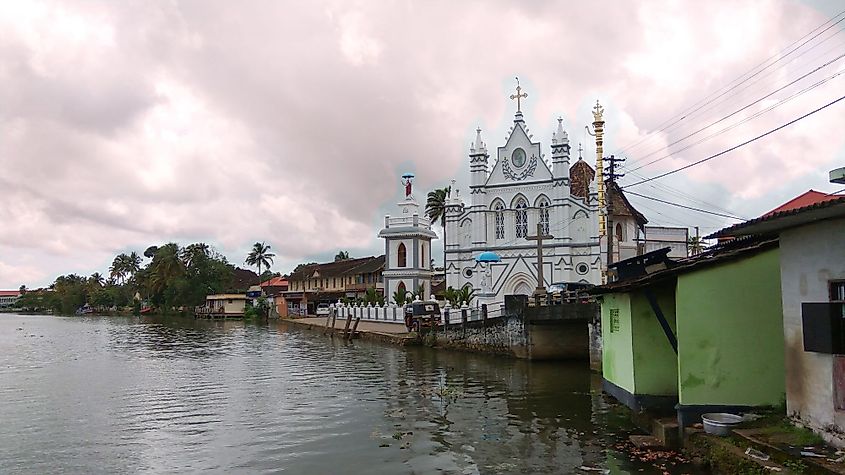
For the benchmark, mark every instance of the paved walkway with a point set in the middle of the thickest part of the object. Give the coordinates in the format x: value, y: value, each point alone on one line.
x: 363, y: 326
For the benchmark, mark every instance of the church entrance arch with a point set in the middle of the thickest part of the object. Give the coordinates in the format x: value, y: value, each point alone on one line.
x: 520, y: 284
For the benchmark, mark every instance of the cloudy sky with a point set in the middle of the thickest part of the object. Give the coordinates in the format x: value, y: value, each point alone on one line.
x: 131, y: 123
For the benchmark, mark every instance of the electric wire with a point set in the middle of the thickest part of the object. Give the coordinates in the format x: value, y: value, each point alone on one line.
x: 685, y: 207
x: 757, y: 114
x: 729, y: 87
x: 735, y: 147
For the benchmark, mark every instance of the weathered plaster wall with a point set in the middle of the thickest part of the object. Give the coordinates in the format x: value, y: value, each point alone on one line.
x: 730, y: 333
x: 810, y: 257
x: 617, y: 343
x: 655, y: 362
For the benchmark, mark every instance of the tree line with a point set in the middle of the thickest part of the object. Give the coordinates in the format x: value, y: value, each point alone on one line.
x: 169, y: 278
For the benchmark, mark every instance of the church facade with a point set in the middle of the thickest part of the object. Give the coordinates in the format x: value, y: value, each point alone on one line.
x: 507, y: 200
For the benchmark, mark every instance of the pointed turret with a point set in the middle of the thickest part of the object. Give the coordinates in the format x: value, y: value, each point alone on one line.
x: 478, y: 162
x: 560, y: 151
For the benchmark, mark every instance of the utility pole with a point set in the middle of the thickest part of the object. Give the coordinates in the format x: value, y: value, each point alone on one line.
x: 541, y: 287
x: 610, y: 178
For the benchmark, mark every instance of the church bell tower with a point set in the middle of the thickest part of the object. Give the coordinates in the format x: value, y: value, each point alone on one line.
x: 407, y: 248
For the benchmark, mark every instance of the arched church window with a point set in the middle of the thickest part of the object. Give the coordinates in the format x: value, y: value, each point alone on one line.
x: 402, y: 256
x: 619, y: 232
x: 544, y: 215
x: 500, y: 220
x: 521, y: 218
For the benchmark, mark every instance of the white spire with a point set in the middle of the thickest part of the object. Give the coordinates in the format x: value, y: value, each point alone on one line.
x: 560, y: 135
x: 478, y: 147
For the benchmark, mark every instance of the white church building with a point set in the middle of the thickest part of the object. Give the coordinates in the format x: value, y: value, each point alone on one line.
x: 506, y: 202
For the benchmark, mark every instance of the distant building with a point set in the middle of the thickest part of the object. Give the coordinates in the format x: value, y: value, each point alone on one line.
x: 312, y: 284
x: 628, y: 225
x: 8, y: 298
x: 224, y: 306
x: 659, y: 237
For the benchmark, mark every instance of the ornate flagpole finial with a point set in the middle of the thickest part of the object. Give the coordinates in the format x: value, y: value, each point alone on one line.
x: 598, y: 112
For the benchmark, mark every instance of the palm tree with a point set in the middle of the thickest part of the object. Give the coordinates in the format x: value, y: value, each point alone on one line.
x: 260, y: 255
x: 195, y: 252
x: 341, y: 256
x: 451, y: 296
x: 400, y: 296
x: 166, y: 267
x: 133, y: 263
x: 119, y: 267
x: 696, y: 245
x: 435, y: 209
x: 372, y: 296
x: 150, y: 252
x: 96, y: 280
x: 466, y: 294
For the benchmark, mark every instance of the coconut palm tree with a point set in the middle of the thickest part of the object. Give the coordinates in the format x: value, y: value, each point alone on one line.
x: 341, y: 256
x: 166, y: 267
x: 696, y: 245
x: 96, y: 280
x: 195, y: 252
x: 133, y: 263
x: 119, y: 267
x: 260, y: 255
x: 435, y: 209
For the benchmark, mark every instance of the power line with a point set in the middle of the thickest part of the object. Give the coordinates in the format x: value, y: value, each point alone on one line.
x: 749, y: 105
x: 729, y: 87
x: 745, y: 120
x: 685, y: 207
x: 676, y: 192
x: 723, y: 152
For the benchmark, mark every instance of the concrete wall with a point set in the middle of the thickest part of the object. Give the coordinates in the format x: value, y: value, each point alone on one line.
x: 655, y: 362
x: 617, y: 342
x: 811, y: 256
x: 504, y: 336
x: 730, y: 335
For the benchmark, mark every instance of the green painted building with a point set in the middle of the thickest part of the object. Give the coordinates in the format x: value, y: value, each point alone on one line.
x: 697, y: 335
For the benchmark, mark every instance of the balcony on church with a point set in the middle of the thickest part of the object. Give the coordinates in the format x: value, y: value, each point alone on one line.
x: 414, y: 220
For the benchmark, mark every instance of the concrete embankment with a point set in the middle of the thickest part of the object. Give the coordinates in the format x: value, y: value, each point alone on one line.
x: 375, y: 331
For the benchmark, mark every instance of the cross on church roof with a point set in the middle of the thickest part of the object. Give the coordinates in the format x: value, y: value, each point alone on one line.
x: 518, y: 96
x: 579, y: 150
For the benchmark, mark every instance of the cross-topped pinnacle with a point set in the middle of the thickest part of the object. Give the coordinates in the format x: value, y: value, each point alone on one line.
x: 518, y: 96
x: 579, y: 150
x: 598, y: 112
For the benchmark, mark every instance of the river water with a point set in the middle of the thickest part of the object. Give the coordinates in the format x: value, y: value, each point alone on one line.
x: 152, y: 395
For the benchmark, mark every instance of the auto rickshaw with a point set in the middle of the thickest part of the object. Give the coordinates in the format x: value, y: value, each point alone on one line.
x: 421, y: 316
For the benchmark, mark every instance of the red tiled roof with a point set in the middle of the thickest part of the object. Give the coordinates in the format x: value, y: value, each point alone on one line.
x: 9, y: 293
x: 275, y: 282
x: 806, y: 199
x: 773, y: 221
